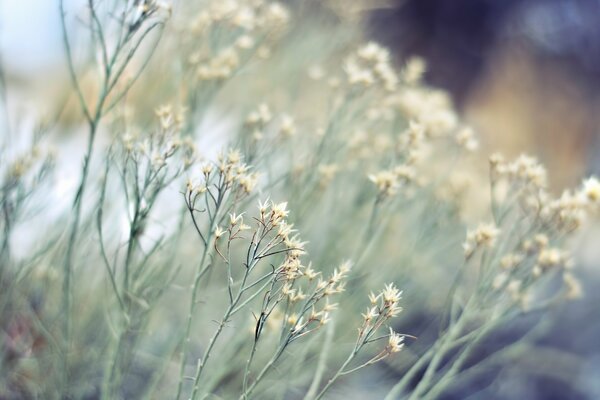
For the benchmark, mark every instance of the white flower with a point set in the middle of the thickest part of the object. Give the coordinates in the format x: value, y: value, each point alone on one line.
x: 591, y: 189
x: 395, y: 342
x: 219, y: 232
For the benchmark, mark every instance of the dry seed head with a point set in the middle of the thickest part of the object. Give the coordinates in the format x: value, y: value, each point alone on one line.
x: 591, y: 190
x: 395, y: 342
x: 374, y: 53
x: 292, y: 319
x: 404, y: 172
x: 484, y: 236
x: 496, y: 161
x: 374, y: 299
x: 415, y: 132
x: 465, y: 138
x: 386, y: 182
x: 234, y: 219
x: 245, y: 42
x: 573, y: 286
x: 263, y: 207
x: 297, y: 296
x: 345, y: 267
x: 371, y: 314
x: 219, y: 232
x: 499, y: 280
x: 207, y: 168
x: 324, y: 319
x: 288, y: 125
x: 284, y: 230
x: 278, y: 212
x: 247, y: 182
x: 329, y: 307
x: 514, y: 289
x: 510, y: 261
x: 551, y: 257
x: 391, y: 294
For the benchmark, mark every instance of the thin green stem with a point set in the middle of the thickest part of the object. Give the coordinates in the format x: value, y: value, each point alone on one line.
x: 337, y: 374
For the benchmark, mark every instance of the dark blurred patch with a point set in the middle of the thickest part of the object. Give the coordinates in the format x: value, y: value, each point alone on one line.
x: 457, y: 37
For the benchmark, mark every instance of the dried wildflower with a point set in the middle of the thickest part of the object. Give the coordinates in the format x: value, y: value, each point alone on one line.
x: 465, y: 138
x: 234, y: 219
x: 484, y: 236
x: 552, y: 257
x: 511, y: 261
x: 310, y: 273
x: 386, y: 182
x: 500, y: 280
x: 573, y: 286
x: 371, y: 314
x: 591, y: 190
x: 369, y: 66
x: 525, y: 170
x: 219, y: 232
x: 395, y: 342
x: 288, y: 126
x: 513, y: 288
x: 247, y: 182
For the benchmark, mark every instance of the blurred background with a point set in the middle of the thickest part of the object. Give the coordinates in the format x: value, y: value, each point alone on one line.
x: 524, y: 73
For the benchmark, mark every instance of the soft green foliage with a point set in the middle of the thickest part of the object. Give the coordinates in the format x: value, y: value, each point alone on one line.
x: 249, y: 240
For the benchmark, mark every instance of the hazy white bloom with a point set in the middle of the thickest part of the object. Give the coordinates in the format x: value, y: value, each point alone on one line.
x: 395, y: 342
x: 219, y: 232
x: 591, y: 189
x: 483, y: 236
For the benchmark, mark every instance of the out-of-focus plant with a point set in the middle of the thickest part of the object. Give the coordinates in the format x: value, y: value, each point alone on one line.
x: 175, y: 285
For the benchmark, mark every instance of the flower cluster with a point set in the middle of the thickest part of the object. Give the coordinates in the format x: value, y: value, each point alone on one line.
x: 249, y: 26
x: 389, y: 181
x: 232, y: 173
x: 32, y: 163
x: 525, y: 171
x: 484, y: 236
x: 371, y: 66
x: 528, y: 271
x: 384, y: 307
x: 527, y: 182
x: 432, y: 108
x: 152, y: 152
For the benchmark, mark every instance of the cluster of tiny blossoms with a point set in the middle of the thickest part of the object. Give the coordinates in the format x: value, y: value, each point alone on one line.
x: 484, y: 236
x: 243, y: 27
x: 314, y: 313
x: 534, y: 259
x: 533, y: 255
x: 303, y: 290
x: 429, y: 113
x: 527, y: 183
x: 162, y: 144
x: 409, y: 147
x: 258, y: 120
x: 370, y: 66
x: 31, y: 163
x: 384, y: 306
x: 228, y: 173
